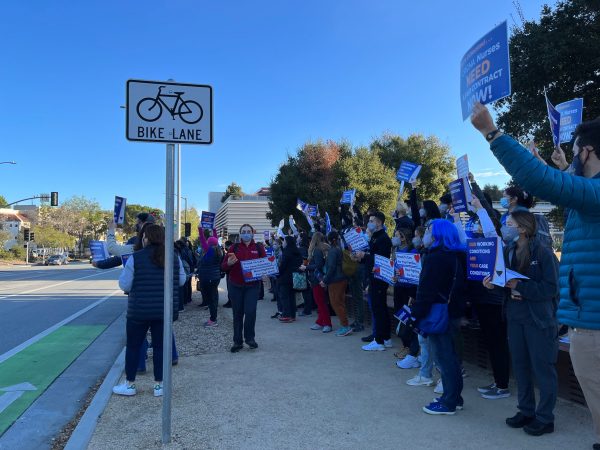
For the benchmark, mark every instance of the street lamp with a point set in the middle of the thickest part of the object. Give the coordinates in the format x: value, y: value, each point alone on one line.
x: 7, y: 162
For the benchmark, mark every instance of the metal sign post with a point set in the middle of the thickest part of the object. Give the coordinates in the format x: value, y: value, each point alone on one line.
x: 168, y: 302
x: 178, y: 180
x: 171, y: 113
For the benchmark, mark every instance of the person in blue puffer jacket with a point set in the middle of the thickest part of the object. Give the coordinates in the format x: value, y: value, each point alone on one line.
x: 579, y: 282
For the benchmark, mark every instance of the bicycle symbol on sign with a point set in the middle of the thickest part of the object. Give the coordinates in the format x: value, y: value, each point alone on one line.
x: 150, y: 109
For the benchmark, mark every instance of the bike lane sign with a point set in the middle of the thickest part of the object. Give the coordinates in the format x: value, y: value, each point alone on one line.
x: 164, y: 111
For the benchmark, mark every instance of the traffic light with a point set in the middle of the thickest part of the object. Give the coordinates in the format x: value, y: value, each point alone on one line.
x: 53, y: 198
x: 32, y: 236
x: 26, y: 234
x: 188, y: 229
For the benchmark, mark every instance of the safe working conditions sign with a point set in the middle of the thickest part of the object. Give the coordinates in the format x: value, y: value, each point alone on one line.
x: 164, y: 111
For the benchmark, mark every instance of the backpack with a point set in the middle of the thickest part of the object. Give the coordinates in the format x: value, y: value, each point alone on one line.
x: 543, y: 230
x: 349, y: 266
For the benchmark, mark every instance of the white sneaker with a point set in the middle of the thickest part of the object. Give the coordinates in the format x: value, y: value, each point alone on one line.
x: 316, y: 327
x: 373, y: 347
x: 327, y: 329
x: 439, y: 387
x: 388, y: 343
x: 409, y: 362
x: 420, y: 381
x: 125, y: 389
x: 158, y: 390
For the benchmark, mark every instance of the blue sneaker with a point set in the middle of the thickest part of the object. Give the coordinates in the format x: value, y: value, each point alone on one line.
x: 344, y: 331
x: 437, y: 409
x: 458, y: 407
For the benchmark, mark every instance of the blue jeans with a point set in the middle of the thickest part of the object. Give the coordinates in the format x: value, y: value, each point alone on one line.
x: 426, y: 370
x: 144, y: 351
x: 446, y: 359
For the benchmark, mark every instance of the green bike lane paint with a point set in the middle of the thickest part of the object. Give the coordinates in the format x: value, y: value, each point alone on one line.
x: 26, y: 375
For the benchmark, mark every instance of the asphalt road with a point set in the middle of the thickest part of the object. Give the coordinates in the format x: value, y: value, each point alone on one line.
x: 61, y: 328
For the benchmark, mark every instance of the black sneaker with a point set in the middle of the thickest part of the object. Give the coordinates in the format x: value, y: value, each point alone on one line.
x: 519, y: 420
x: 537, y: 428
x: 252, y: 344
x: 368, y: 338
x: 596, y: 446
x: 276, y: 315
x: 236, y: 348
x: 227, y: 305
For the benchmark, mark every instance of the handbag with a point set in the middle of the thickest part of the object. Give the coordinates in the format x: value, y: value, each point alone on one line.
x: 299, y: 281
x: 438, y: 319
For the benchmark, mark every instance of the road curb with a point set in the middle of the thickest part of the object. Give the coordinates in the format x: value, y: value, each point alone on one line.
x: 87, y: 424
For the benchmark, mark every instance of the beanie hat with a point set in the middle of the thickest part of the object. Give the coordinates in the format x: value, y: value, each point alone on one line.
x: 213, y: 241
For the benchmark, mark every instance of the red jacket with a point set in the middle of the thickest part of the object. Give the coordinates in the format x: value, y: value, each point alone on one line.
x: 243, y: 252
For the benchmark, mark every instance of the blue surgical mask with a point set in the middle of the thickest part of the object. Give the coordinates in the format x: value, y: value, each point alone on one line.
x: 504, y: 202
x: 371, y: 227
x: 422, y: 212
x: 246, y: 237
x: 427, y: 240
x: 396, y: 241
x: 417, y: 242
x: 509, y: 234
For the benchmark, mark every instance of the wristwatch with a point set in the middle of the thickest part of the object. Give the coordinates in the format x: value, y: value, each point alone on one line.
x: 491, y: 135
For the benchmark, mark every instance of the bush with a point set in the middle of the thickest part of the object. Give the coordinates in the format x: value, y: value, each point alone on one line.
x: 18, y: 252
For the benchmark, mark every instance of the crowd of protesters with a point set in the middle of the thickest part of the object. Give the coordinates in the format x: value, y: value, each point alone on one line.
x: 519, y: 321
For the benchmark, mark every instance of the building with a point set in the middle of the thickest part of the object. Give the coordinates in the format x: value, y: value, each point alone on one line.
x: 13, y: 222
x: 214, y: 201
x: 236, y: 211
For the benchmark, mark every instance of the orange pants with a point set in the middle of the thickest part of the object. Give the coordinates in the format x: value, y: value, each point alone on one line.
x: 337, y: 297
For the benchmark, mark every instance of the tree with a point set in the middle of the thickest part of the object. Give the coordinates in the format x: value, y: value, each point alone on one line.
x: 131, y: 213
x: 493, y: 191
x: 192, y: 217
x: 5, y: 237
x: 311, y: 175
x: 438, y: 163
x: 375, y: 183
x: 561, y: 52
x: 48, y: 236
x: 3, y: 201
x: 233, y: 189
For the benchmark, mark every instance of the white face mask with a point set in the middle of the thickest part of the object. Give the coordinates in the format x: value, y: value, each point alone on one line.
x: 422, y: 212
x: 427, y: 240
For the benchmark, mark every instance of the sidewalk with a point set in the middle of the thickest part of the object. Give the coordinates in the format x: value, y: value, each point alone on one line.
x: 305, y: 390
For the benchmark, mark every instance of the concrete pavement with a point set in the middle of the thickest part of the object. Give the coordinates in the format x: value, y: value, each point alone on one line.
x: 302, y: 389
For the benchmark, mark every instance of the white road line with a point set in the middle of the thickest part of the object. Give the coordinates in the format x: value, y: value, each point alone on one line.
x: 54, y: 327
x: 60, y: 284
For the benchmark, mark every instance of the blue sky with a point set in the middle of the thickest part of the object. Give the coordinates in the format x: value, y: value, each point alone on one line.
x: 283, y: 72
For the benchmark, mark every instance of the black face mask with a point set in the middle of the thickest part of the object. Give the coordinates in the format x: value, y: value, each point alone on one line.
x: 578, y: 165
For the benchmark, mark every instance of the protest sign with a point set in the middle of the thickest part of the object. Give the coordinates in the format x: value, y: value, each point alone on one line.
x: 458, y: 191
x: 255, y: 269
x: 483, y: 257
x: 501, y: 281
x: 462, y: 166
x: 327, y: 223
x: 554, y: 119
x: 98, y: 250
x: 125, y: 258
x: 408, y: 172
x: 485, y: 70
x: 348, y: 197
x: 300, y: 205
x: 408, y: 267
x: 571, y: 115
x: 119, y: 213
x: 383, y: 269
x: 356, y: 240
x: 207, y: 220
x: 311, y: 210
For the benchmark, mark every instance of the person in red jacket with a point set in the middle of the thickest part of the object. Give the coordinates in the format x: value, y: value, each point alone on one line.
x: 243, y: 294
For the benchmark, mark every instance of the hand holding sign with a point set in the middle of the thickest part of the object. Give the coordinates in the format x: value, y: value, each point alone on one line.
x: 482, y: 119
x: 559, y: 159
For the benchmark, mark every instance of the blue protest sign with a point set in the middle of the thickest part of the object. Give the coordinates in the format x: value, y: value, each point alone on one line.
x: 311, y: 210
x: 408, y: 267
x: 98, y: 250
x: 554, y: 119
x: 356, y: 240
x: 571, y: 115
x: 255, y: 269
x: 348, y: 197
x: 458, y: 191
x: 327, y: 223
x: 119, y: 212
x: 483, y: 257
x: 485, y: 70
x: 207, y: 220
x: 300, y: 205
x: 383, y: 269
x: 408, y: 172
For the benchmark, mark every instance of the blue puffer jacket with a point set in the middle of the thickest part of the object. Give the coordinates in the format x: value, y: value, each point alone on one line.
x: 579, y: 273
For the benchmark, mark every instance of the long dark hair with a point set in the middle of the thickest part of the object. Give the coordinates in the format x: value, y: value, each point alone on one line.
x: 156, y: 238
x: 291, y: 246
x: 138, y: 242
x: 525, y: 220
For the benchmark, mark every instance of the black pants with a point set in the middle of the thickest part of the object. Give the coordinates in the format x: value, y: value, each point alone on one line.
x: 210, y: 294
x: 136, y: 334
x: 288, y: 299
x: 378, y: 292
x: 308, y: 300
x: 187, y: 291
x: 493, y: 328
x: 243, y: 302
x: 410, y: 340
